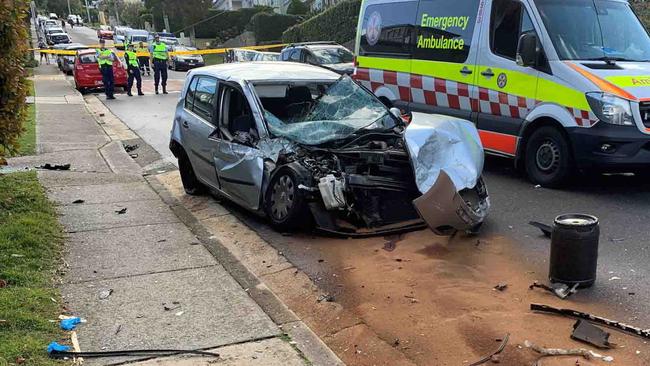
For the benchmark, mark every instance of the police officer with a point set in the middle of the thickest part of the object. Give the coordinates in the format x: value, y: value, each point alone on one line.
x: 133, y: 70
x: 159, y: 57
x: 142, y: 59
x: 105, y: 59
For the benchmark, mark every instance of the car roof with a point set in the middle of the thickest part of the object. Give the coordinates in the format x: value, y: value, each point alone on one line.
x: 59, y: 34
x: 261, y: 71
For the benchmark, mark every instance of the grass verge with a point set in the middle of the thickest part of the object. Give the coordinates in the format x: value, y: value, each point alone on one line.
x: 30, y: 248
x: 27, y: 140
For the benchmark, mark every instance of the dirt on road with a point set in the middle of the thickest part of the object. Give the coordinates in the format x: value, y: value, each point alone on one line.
x: 429, y: 301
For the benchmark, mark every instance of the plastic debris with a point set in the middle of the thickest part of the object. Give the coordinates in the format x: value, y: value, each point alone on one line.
x: 121, y: 212
x: 589, y: 333
x: 76, y: 202
x: 70, y: 323
x: 560, y: 290
x: 587, y: 354
x: 104, y: 294
x: 55, y: 347
x: 501, y: 286
x: 49, y: 166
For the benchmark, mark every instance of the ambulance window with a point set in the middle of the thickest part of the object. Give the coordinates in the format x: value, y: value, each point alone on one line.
x: 445, y: 29
x: 508, y: 21
x: 387, y: 29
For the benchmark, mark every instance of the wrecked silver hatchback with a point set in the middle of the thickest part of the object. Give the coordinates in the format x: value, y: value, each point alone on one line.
x: 322, y: 150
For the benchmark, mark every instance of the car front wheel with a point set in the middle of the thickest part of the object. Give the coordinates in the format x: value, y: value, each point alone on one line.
x: 548, y: 157
x: 191, y: 183
x: 285, y: 203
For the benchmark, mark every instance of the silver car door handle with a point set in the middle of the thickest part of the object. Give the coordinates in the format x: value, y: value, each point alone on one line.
x: 488, y: 73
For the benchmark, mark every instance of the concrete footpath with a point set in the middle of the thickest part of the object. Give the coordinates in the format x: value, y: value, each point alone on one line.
x: 139, y: 276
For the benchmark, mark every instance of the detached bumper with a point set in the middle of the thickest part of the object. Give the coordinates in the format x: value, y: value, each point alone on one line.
x: 610, y: 148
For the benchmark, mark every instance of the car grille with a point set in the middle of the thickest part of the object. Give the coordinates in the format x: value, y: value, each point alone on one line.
x: 644, y: 108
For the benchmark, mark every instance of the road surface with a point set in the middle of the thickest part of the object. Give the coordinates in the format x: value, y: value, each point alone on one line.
x: 621, y: 203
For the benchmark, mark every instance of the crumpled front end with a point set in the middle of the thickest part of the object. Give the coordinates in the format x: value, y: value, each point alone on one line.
x: 447, y: 158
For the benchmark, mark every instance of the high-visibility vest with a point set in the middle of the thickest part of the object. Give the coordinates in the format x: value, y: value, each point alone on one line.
x: 160, y: 51
x: 108, y: 61
x: 141, y: 51
x: 133, y: 60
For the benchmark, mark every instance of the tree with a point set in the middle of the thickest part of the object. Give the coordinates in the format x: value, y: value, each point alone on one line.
x: 297, y: 7
x: 60, y: 7
x: 181, y: 13
x: 130, y: 14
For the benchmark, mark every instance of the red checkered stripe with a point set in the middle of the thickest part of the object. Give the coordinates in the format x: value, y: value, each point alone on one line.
x: 451, y: 94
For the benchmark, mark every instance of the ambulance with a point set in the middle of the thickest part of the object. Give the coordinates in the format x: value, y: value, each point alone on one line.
x: 560, y: 86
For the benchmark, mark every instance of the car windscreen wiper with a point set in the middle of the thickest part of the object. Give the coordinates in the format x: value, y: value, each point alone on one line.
x: 610, y: 60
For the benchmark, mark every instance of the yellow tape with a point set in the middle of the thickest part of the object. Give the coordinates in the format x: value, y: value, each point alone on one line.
x: 195, y: 52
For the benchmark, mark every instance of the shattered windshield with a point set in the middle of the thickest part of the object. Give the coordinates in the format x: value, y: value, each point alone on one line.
x: 337, y: 55
x: 318, y: 113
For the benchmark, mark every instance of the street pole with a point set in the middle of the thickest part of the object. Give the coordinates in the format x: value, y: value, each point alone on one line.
x: 69, y: 11
x: 88, y: 13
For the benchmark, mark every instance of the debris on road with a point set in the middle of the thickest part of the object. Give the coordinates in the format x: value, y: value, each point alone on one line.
x: 500, y: 287
x: 391, y: 242
x: 3, y: 283
x: 55, y: 347
x: 104, y: 294
x: 493, y: 356
x: 589, y: 333
x: 70, y: 323
x: 49, y: 166
x: 76, y: 202
x: 548, y: 352
x: 326, y: 298
x: 175, y: 305
x: 128, y: 148
x: 613, y: 324
x: 560, y: 290
x: 546, y: 229
x: 121, y: 212
x: 615, y: 278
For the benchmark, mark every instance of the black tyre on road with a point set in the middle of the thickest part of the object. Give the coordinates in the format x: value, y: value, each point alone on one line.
x: 191, y: 183
x: 285, y: 204
x: 548, y: 158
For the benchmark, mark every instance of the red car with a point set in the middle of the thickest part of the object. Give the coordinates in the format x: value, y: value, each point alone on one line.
x: 104, y: 32
x: 87, y: 74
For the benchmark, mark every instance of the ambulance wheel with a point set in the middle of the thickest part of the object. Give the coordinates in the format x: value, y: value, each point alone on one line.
x: 548, y: 157
x: 285, y: 204
x: 191, y: 183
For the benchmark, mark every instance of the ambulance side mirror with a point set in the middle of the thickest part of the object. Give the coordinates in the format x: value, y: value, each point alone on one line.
x: 527, y: 50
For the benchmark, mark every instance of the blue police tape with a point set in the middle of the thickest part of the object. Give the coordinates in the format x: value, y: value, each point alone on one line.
x: 52, y: 347
x: 70, y: 323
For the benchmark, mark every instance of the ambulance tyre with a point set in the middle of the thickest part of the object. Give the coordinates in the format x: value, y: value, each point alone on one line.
x: 548, y: 157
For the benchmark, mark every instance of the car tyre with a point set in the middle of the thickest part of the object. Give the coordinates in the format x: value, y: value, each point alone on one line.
x: 285, y: 204
x: 548, y: 158
x: 191, y: 183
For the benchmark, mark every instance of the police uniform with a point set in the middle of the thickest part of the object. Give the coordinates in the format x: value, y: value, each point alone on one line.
x: 105, y: 59
x: 133, y: 70
x: 143, y: 60
x: 159, y: 56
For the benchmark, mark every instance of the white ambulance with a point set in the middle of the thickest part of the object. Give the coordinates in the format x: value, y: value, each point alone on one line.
x: 561, y: 86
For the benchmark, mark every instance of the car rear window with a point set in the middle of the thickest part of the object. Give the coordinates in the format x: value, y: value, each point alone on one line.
x: 89, y: 58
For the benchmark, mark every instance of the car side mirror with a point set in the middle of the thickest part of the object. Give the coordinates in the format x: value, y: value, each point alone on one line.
x: 527, y: 50
x: 396, y: 112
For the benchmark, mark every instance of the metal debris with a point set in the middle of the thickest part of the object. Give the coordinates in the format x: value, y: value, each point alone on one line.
x: 76, y: 202
x: 549, y: 352
x: 589, y: 333
x: 501, y: 286
x: 492, y: 355
x: 546, y: 229
x: 326, y: 298
x: 128, y: 148
x: 121, y: 212
x: 613, y: 324
x: 560, y: 290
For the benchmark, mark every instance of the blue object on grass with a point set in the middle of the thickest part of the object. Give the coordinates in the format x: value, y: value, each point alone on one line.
x: 57, y: 347
x: 70, y: 323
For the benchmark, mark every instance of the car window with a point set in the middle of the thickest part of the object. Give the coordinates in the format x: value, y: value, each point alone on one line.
x: 88, y: 58
x: 237, y: 120
x: 388, y: 28
x: 204, y: 95
x: 509, y: 20
x: 294, y: 55
x: 445, y: 29
x: 189, y: 96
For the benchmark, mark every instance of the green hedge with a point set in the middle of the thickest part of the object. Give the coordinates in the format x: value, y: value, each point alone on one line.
x: 227, y: 25
x: 338, y: 24
x: 13, y: 89
x: 269, y: 26
x: 642, y: 9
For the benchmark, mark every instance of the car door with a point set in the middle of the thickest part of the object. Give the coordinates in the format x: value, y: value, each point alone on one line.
x: 445, y: 52
x: 196, y: 121
x: 238, y: 161
x: 507, y: 91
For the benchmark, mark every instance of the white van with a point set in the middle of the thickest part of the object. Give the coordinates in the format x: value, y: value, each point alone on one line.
x: 119, y: 37
x: 558, y: 85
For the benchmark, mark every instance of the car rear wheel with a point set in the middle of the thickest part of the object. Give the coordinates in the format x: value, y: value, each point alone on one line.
x: 285, y: 203
x: 548, y: 157
x: 191, y: 183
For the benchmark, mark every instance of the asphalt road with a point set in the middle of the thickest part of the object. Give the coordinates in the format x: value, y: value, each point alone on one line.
x: 621, y: 203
